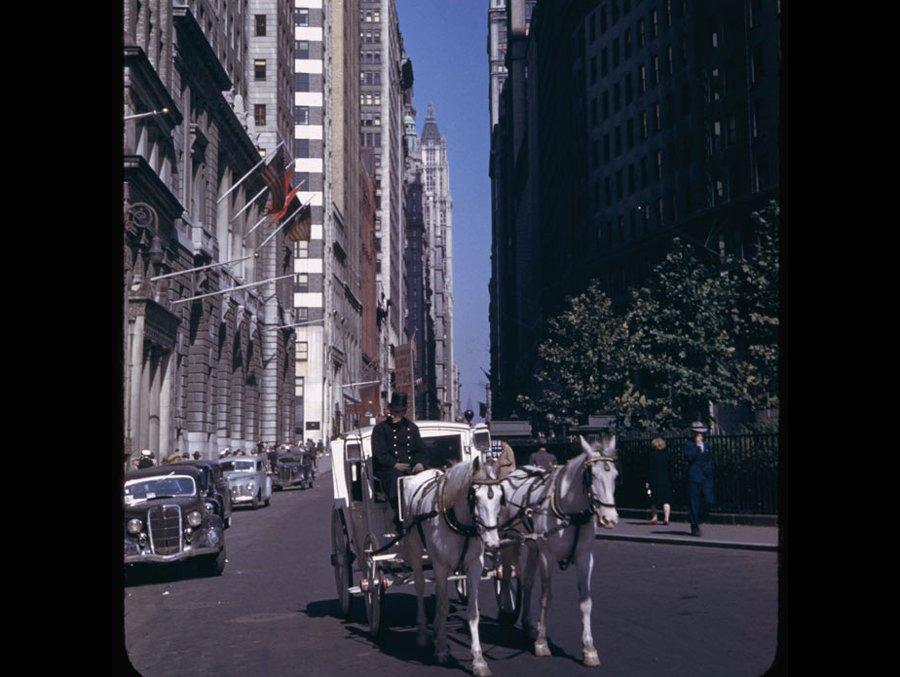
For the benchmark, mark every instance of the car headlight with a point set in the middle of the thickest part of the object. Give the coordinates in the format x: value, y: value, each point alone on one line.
x: 210, y: 507
x: 250, y: 485
x: 134, y: 525
x: 194, y: 518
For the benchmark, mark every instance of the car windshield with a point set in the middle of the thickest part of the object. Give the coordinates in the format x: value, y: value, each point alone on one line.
x: 483, y: 441
x: 242, y: 466
x: 149, y: 488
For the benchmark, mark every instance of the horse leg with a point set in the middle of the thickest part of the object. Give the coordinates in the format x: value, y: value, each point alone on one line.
x: 414, y: 558
x: 441, y: 571
x: 541, y: 647
x: 531, y: 562
x: 584, y: 564
x: 473, y: 574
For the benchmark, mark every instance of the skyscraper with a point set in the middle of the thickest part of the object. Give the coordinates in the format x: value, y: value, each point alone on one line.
x: 438, y: 217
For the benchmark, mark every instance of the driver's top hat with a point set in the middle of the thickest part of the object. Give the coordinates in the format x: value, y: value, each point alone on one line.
x: 398, y: 402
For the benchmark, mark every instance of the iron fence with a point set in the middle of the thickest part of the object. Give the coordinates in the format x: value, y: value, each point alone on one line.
x: 745, y: 476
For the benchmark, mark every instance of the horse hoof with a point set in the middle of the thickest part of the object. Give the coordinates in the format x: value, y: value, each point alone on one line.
x: 591, y: 659
x: 442, y: 657
x: 481, y: 669
x: 541, y: 649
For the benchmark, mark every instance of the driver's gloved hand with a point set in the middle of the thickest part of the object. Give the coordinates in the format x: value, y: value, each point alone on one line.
x: 402, y: 467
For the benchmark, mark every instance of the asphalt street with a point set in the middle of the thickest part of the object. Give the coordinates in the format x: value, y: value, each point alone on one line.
x: 658, y: 610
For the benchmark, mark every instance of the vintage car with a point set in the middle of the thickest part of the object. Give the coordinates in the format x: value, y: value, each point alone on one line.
x: 247, y: 479
x: 292, y: 469
x: 167, y: 519
x: 212, y: 481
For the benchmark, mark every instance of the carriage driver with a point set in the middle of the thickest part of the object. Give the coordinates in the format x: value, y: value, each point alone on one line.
x: 396, y: 450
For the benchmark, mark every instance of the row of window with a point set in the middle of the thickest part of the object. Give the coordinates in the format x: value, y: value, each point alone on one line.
x: 611, y: 11
x: 370, y: 99
x: 373, y: 58
x: 370, y: 16
x: 370, y: 37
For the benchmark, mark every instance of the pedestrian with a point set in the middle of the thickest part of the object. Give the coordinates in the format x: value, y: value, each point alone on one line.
x: 146, y: 459
x: 543, y: 459
x: 134, y: 463
x: 506, y: 463
x: 185, y: 455
x: 174, y: 457
x: 700, y: 476
x: 658, y: 483
x: 397, y: 450
x: 196, y: 455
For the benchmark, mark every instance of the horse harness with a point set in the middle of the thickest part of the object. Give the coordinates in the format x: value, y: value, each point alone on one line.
x: 578, y: 519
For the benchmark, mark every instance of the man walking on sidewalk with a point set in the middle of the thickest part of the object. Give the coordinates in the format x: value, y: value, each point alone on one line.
x: 700, y: 476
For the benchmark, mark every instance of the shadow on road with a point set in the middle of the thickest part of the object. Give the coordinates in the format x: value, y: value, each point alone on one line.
x: 143, y: 574
x: 398, y: 636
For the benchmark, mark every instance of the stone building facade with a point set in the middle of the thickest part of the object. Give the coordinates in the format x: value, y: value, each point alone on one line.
x: 194, y: 367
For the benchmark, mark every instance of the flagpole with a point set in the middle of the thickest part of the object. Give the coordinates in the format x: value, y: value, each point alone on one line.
x: 258, y: 223
x: 225, y: 291
x: 252, y: 169
x: 194, y: 270
x: 296, y: 324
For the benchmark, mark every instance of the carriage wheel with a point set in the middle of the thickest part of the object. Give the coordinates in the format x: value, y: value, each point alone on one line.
x: 462, y: 591
x: 508, y: 591
x: 374, y: 596
x: 340, y: 559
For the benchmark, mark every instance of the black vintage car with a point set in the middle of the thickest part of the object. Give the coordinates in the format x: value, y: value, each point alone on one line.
x: 291, y: 469
x: 167, y: 519
x: 213, y: 483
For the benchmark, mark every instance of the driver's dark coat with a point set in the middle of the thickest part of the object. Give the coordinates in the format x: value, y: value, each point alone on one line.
x: 395, y: 443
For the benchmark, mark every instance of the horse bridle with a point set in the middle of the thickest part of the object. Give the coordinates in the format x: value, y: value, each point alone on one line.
x: 588, y: 478
x: 472, y: 498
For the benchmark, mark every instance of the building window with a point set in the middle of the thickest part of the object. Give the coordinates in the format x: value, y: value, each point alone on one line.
x: 618, y: 141
x: 619, y: 185
x: 260, y: 25
x: 756, y: 64
x: 259, y: 114
x: 655, y: 70
x: 631, y: 182
x: 301, y: 115
x: 606, y: 147
x: 659, y: 165
x: 604, y: 62
x: 669, y: 13
x: 755, y: 121
x: 608, y: 182
x: 659, y: 210
x: 617, y: 97
x: 654, y: 19
x: 629, y: 90
x: 592, y: 28
x: 671, y: 56
x: 603, y: 21
x: 302, y: 16
x: 301, y: 82
x: 298, y: 386
x: 593, y: 70
x: 302, y: 351
x: 594, y: 117
x: 301, y: 148
x: 301, y: 249
x: 595, y: 154
x: 640, y: 33
x: 643, y: 172
x: 628, y: 43
x: 657, y: 115
x: 630, y: 133
x: 615, y: 51
x: 301, y: 282
x: 606, y: 104
x: 301, y: 49
x: 642, y: 79
x: 732, y: 129
x: 259, y: 69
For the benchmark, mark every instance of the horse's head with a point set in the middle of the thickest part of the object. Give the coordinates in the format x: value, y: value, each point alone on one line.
x: 485, y: 502
x: 600, y: 474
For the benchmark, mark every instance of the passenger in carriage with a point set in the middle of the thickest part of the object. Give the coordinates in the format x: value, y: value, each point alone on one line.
x: 396, y: 450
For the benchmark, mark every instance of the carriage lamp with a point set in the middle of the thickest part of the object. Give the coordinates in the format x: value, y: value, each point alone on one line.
x: 210, y: 507
x: 134, y: 525
x: 194, y: 518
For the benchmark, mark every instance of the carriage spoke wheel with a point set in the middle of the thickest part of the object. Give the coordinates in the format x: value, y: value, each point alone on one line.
x: 374, y: 596
x: 508, y: 591
x: 340, y: 558
x: 462, y: 591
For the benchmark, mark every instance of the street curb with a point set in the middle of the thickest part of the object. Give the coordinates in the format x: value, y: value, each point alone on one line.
x: 695, y: 542
x: 711, y: 518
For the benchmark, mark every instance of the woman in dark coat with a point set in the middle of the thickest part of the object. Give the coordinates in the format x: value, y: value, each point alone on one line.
x: 659, y: 482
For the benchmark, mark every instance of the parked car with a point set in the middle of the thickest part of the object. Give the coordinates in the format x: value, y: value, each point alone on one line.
x: 167, y: 519
x: 248, y: 481
x: 213, y: 482
x: 292, y: 469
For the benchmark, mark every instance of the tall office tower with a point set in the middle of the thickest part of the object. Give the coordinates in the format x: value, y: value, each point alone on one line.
x: 342, y: 234
x: 622, y: 125
x: 381, y: 129
x: 312, y: 414
x: 438, y: 216
x: 270, y: 53
x: 195, y: 333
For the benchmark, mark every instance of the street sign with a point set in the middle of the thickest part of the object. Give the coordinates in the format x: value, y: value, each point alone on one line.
x: 404, y: 369
x: 510, y: 428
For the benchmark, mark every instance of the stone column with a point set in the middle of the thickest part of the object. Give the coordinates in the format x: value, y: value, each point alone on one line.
x: 135, y: 369
x: 166, y: 379
x: 154, y: 376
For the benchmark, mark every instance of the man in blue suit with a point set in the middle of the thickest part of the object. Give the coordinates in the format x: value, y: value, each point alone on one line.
x: 700, y: 476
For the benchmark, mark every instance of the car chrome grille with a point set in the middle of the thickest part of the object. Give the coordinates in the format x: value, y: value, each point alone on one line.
x: 243, y: 490
x: 165, y: 529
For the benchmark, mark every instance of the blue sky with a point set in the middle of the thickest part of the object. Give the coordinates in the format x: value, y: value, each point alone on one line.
x: 447, y: 42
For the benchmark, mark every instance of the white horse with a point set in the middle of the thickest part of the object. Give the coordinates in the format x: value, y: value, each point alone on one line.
x: 556, y: 509
x: 456, y: 512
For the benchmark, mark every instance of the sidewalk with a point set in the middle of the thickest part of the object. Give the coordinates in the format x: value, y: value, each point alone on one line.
x: 679, y: 533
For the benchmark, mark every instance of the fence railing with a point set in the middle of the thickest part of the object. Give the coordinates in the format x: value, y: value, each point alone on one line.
x: 745, y: 477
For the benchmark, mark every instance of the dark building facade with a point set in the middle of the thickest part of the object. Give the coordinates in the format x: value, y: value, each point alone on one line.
x: 622, y: 125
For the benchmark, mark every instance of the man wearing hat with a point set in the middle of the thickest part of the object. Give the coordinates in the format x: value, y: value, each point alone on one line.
x: 146, y: 459
x: 700, y: 476
x: 396, y: 449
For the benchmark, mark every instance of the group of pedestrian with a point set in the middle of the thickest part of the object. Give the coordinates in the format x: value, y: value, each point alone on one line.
x: 700, y: 479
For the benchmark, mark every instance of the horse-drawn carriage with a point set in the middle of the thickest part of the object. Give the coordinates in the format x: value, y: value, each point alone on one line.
x: 366, y: 554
